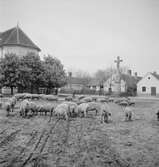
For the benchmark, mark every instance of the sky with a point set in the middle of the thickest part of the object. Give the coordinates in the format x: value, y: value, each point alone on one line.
x: 90, y: 34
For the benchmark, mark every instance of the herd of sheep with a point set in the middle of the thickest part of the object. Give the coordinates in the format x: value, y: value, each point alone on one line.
x: 70, y: 107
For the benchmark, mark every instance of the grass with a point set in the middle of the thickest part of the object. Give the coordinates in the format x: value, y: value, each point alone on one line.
x: 84, y: 141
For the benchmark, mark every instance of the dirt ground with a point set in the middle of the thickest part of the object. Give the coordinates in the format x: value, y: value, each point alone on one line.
x: 45, y: 141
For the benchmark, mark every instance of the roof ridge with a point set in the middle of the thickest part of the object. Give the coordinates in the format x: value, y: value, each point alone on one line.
x: 17, y: 28
x: 14, y: 29
x: 16, y: 36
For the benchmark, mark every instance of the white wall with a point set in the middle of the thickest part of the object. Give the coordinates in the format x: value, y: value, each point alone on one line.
x: 6, y: 90
x: 0, y: 52
x: 148, y: 81
x: 114, y: 85
x: 123, y: 86
x: 18, y: 50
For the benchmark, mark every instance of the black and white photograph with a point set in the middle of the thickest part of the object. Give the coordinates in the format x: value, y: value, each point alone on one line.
x: 79, y: 83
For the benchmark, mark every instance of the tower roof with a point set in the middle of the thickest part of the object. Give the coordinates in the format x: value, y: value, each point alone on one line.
x: 15, y: 36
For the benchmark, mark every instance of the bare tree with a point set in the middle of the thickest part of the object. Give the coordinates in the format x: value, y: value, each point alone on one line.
x: 85, y: 76
x: 103, y: 75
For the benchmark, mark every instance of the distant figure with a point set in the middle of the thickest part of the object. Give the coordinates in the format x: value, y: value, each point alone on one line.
x: 157, y: 115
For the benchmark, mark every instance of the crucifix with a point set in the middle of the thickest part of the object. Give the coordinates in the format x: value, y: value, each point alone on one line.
x: 118, y: 62
x: 118, y: 77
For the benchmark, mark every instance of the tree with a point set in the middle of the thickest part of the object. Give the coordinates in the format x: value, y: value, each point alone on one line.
x: 85, y: 76
x: 31, y: 72
x: 103, y: 75
x: 9, y: 66
x: 54, y: 73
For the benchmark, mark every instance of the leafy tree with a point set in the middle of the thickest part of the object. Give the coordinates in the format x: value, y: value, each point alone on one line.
x: 54, y: 73
x: 9, y: 67
x: 31, y: 72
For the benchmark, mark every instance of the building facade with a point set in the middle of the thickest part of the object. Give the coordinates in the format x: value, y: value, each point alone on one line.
x: 15, y: 41
x: 128, y: 83
x: 148, y: 85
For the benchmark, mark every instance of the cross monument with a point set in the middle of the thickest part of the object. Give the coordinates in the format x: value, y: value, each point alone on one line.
x: 118, y: 78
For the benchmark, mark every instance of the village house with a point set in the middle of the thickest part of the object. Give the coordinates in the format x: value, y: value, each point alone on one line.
x: 17, y: 42
x: 94, y: 84
x: 128, y: 83
x: 148, y: 85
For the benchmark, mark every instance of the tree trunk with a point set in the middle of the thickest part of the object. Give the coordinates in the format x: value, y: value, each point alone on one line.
x: 37, y: 89
x: 31, y: 89
x: 11, y: 90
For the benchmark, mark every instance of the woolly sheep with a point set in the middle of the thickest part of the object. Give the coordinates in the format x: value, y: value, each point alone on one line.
x: 69, y: 98
x: 24, y: 108
x: 62, y: 110
x: 87, y: 99
x: 105, y: 112
x: 46, y: 108
x: 128, y: 113
x: 82, y: 109
x: 93, y: 106
x: 73, y: 108
x: 10, y: 105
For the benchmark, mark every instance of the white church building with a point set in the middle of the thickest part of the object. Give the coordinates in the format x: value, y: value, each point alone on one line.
x: 148, y: 85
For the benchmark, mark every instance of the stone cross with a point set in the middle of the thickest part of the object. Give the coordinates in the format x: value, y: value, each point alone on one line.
x: 118, y: 62
x: 118, y: 76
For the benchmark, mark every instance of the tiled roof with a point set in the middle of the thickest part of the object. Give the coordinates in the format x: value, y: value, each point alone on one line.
x: 155, y: 75
x: 15, y: 36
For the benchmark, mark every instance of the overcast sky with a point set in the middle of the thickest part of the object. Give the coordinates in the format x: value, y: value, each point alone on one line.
x: 90, y: 34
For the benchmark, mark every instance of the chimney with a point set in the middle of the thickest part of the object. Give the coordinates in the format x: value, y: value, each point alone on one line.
x: 129, y: 72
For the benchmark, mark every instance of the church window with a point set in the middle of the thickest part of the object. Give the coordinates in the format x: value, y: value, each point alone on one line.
x: 143, y: 89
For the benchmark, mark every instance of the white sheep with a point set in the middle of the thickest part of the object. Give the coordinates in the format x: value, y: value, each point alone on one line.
x: 24, y: 107
x: 46, y: 108
x: 105, y: 112
x: 82, y: 109
x: 73, y: 109
x: 128, y: 113
x: 62, y: 111
x: 12, y: 102
x: 93, y: 106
